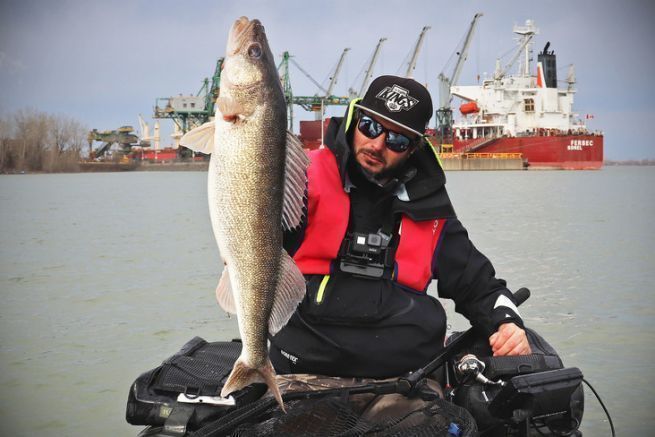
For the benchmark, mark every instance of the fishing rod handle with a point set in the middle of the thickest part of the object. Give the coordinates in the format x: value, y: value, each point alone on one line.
x: 521, y: 295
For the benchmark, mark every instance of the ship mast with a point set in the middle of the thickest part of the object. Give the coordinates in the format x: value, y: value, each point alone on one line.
x: 526, y: 34
x: 570, y: 77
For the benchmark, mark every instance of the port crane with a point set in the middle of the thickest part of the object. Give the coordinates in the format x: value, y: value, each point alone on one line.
x: 369, y: 71
x: 146, y: 138
x: 333, y: 79
x: 444, y: 113
x: 313, y: 103
x: 411, y: 65
x: 188, y: 112
x: 123, y: 137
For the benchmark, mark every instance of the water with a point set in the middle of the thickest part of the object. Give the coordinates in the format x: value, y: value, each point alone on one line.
x: 102, y: 276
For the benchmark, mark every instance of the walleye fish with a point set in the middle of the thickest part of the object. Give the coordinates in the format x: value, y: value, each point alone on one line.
x: 256, y: 184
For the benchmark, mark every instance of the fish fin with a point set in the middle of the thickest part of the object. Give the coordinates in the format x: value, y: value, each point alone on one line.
x: 242, y: 375
x: 295, y: 183
x: 290, y: 291
x: 200, y: 139
x: 224, y: 295
x: 230, y: 109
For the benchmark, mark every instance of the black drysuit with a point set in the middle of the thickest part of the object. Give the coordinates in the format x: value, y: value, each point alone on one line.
x: 366, y: 327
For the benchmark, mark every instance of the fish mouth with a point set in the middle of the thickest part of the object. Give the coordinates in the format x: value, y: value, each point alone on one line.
x: 247, y: 53
x: 243, y: 32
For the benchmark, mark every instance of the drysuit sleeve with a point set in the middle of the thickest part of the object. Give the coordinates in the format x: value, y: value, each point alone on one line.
x: 466, y: 276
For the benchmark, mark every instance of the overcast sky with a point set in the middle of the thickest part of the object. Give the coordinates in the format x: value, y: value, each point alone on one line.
x: 104, y: 62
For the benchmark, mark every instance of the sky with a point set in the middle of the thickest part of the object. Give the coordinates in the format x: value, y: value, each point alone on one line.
x: 103, y: 63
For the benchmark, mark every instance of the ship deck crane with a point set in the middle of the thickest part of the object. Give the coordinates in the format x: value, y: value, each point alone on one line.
x: 369, y: 71
x: 411, y: 65
x: 444, y: 113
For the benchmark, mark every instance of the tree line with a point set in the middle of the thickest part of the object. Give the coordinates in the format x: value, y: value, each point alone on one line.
x: 32, y: 140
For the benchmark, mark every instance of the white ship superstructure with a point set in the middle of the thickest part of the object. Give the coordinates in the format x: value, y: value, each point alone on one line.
x: 521, y: 104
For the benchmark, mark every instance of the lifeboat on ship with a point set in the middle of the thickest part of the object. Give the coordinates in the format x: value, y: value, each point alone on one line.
x: 469, y: 108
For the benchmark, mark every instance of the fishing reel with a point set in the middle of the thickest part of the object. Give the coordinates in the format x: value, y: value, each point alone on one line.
x: 470, y: 367
x: 514, y: 404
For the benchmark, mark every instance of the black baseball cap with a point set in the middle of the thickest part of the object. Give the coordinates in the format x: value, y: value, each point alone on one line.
x: 400, y: 100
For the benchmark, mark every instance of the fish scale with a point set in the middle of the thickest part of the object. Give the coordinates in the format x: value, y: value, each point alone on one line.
x: 246, y: 189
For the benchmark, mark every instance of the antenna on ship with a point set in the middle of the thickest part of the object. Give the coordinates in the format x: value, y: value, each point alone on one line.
x: 526, y: 34
x: 570, y: 77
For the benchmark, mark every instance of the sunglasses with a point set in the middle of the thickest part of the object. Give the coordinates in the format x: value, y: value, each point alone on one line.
x: 394, y: 141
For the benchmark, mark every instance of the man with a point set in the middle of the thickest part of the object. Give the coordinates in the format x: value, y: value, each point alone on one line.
x: 379, y: 227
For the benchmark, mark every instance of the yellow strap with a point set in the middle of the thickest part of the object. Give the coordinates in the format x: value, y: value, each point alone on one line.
x: 321, y: 288
x: 434, y: 151
x: 351, y: 110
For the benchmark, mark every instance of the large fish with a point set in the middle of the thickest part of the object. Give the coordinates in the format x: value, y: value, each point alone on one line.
x: 256, y: 184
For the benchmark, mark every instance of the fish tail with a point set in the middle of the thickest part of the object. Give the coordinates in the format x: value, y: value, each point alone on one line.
x: 243, y: 375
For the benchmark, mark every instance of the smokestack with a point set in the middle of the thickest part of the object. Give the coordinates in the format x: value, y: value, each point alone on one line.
x: 549, y: 63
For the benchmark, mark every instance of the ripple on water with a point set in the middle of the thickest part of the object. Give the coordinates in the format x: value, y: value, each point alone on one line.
x: 110, y: 302
x: 162, y: 333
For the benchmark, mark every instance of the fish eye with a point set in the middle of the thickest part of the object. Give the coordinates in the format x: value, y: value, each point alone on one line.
x: 255, y: 50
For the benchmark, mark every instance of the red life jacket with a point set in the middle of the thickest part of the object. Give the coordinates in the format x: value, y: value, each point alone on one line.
x: 327, y: 223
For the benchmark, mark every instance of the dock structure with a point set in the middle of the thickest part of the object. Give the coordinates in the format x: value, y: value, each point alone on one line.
x: 482, y: 161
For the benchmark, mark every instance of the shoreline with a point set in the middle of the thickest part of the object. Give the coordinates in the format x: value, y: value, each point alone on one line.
x: 174, y: 166
x: 112, y: 167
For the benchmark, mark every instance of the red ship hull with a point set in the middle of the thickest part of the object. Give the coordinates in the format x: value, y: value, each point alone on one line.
x: 566, y: 152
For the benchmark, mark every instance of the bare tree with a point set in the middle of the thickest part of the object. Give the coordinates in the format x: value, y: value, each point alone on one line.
x: 37, y: 141
x: 5, y: 146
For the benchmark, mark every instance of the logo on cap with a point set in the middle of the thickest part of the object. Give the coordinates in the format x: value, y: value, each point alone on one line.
x: 397, y: 99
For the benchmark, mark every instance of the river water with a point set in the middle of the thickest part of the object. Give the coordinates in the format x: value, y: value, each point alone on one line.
x: 102, y: 276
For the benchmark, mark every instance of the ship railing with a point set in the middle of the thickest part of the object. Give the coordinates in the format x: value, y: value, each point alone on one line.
x: 575, y: 130
x: 481, y: 155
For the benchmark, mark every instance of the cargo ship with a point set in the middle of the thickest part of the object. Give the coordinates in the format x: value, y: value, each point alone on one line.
x: 526, y: 113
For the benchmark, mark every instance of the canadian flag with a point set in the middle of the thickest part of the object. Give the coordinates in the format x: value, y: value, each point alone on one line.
x: 589, y: 116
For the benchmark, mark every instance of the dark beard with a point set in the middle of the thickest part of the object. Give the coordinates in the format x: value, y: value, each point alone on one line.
x: 385, y: 177
x: 378, y: 178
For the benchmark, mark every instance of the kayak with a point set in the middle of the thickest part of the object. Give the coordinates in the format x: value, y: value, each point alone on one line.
x: 465, y: 396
